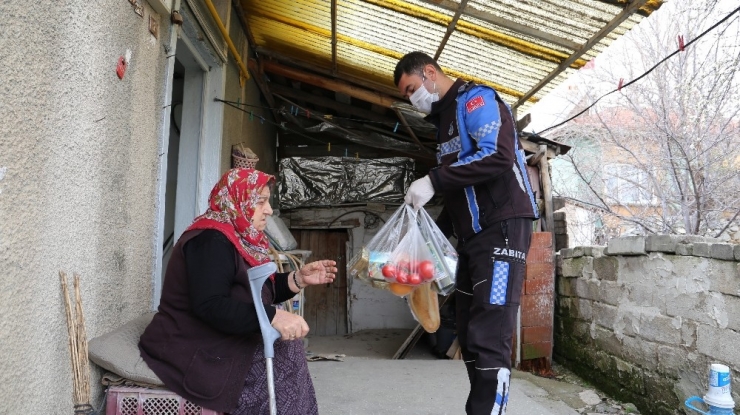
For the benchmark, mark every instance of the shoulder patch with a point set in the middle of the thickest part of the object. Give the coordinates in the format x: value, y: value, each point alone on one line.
x: 474, y: 103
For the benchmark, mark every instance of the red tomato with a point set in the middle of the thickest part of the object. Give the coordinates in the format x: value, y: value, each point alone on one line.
x: 414, y: 278
x: 426, y: 270
x: 389, y: 270
x: 402, y: 277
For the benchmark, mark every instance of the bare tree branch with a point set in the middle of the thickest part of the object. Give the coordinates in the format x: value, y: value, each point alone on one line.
x: 678, y: 131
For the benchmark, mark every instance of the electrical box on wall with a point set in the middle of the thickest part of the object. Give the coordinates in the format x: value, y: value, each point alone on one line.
x: 163, y: 7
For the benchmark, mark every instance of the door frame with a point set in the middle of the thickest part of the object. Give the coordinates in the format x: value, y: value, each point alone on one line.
x: 200, y: 157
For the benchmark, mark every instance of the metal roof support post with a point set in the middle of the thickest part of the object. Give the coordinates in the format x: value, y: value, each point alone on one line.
x: 408, y: 128
x: 616, y: 21
x: 507, y: 24
x: 450, y: 28
x: 513, y: 43
x: 245, y: 25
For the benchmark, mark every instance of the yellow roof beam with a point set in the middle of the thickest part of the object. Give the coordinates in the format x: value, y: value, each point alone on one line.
x: 380, y: 50
x: 325, y: 33
x: 511, y: 42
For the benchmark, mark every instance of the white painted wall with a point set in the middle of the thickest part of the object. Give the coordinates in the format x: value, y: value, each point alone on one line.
x: 79, y: 149
x: 372, y: 308
x: 81, y: 160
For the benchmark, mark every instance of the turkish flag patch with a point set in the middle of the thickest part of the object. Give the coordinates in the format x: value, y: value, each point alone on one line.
x: 474, y: 103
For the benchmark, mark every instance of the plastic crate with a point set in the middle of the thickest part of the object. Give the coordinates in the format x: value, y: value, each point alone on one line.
x: 124, y: 400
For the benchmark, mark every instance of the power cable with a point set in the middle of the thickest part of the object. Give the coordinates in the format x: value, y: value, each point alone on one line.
x: 298, y: 111
x: 283, y: 126
x: 680, y: 49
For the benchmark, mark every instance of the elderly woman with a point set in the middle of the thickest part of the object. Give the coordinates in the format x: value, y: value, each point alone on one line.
x: 204, y: 342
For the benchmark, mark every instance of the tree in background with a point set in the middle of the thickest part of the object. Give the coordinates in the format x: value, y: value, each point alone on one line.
x: 663, y: 155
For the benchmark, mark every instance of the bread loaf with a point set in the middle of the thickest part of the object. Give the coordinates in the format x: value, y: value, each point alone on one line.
x: 425, y: 307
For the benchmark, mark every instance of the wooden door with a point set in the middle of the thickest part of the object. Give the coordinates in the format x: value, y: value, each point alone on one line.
x: 325, y: 307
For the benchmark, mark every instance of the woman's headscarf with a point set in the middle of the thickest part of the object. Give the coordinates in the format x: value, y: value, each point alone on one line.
x: 231, y: 207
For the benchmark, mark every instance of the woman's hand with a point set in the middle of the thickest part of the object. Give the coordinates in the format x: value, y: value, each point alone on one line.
x: 291, y: 326
x: 317, y: 272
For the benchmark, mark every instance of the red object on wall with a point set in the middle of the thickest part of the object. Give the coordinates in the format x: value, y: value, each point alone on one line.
x: 121, y: 67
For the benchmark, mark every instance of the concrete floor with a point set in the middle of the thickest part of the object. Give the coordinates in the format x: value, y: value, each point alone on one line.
x: 368, y: 382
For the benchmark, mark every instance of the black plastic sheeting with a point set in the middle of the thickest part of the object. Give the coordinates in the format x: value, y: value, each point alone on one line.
x: 332, y: 181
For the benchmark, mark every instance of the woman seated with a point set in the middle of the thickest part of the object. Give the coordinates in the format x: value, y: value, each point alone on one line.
x: 204, y: 341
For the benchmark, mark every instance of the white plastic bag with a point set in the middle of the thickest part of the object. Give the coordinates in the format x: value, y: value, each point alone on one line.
x: 378, y: 250
x: 392, y: 258
x: 443, y: 253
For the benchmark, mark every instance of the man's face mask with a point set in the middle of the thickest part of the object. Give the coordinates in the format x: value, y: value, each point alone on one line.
x: 422, y: 99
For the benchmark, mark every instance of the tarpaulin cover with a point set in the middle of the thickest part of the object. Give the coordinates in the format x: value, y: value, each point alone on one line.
x: 331, y: 181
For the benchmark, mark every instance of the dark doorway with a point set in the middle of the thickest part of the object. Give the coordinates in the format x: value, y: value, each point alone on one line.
x: 173, y: 158
x: 325, y: 308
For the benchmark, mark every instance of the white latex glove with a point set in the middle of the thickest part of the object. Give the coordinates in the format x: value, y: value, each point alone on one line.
x: 420, y: 192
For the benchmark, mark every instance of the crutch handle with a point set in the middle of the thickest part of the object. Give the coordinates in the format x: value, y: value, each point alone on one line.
x: 257, y: 276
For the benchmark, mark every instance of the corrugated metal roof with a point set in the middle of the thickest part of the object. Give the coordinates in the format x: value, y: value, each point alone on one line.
x: 511, y: 45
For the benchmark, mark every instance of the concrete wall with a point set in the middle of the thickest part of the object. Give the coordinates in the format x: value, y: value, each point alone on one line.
x: 79, y: 168
x: 644, y: 318
x: 368, y: 307
x: 78, y: 182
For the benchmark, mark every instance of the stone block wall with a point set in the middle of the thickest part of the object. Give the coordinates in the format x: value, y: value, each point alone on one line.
x: 644, y: 317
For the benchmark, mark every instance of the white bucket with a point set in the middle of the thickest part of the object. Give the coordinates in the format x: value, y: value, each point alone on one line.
x: 720, y: 387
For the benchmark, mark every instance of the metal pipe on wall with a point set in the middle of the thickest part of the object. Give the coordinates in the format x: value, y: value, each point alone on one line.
x: 225, y: 33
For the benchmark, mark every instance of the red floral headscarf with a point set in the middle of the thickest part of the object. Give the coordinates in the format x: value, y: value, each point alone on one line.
x: 231, y: 207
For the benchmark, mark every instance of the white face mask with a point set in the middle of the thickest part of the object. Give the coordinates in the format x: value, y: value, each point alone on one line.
x: 422, y: 99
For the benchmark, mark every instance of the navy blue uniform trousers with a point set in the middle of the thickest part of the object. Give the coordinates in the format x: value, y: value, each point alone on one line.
x: 490, y: 274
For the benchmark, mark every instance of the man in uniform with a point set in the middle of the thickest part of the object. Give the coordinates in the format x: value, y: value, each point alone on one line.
x: 489, y: 202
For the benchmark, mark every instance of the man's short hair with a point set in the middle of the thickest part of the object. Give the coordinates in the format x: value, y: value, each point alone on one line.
x: 413, y: 63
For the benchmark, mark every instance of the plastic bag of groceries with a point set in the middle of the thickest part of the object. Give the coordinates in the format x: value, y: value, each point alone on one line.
x: 366, y: 264
x: 395, y: 251
x: 411, y: 263
x: 443, y: 253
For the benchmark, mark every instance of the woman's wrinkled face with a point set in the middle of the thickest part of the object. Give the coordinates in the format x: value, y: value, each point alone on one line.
x: 262, y: 209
